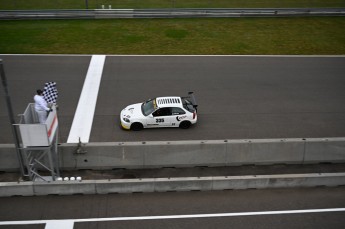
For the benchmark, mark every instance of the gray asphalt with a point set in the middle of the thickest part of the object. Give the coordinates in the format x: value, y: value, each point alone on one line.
x: 169, y: 13
x: 240, y: 97
x: 184, y: 203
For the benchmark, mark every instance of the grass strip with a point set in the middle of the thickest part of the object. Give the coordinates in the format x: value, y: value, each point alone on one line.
x: 207, y: 36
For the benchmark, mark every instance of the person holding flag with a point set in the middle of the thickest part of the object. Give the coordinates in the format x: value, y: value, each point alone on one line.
x: 41, y: 106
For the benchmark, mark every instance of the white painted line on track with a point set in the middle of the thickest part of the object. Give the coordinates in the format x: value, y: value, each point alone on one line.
x: 59, y: 224
x: 213, y: 215
x: 161, y: 55
x: 293, y: 56
x: 69, y: 223
x: 83, y: 118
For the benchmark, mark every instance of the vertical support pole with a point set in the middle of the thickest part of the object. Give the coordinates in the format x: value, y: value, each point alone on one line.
x: 25, y: 157
x: 56, y: 155
x: 51, y: 163
x: 11, y: 117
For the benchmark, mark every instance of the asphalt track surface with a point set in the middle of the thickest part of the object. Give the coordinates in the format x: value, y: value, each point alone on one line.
x: 168, y: 13
x: 262, y: 209
x: 240, y: 97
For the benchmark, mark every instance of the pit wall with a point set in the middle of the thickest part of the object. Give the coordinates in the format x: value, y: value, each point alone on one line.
x: 130, y: 155
x: 170, y: 184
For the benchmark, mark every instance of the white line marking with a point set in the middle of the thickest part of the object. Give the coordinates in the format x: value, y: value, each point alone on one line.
x: 59, y: 224
x: 129, y: 55
x: 83, y: 118
x: 213, y: 215
x: 293, y: 56
x: 69, y: 222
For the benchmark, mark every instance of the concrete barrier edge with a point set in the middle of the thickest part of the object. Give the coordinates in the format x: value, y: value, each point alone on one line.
x: 130, y: 155
x: 171, y: 184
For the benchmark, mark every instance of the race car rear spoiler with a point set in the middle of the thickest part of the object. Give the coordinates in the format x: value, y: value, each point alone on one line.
x: 191, y: 99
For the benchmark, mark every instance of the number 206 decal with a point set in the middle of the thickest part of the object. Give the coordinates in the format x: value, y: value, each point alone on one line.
x: 159, y: 120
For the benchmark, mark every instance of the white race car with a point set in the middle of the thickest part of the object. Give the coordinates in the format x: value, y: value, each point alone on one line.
x: 170, y: 111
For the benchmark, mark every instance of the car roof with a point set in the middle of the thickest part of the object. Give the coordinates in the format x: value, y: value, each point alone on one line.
x: 169, y: 101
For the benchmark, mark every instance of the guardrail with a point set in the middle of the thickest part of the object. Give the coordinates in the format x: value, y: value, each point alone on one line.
x: 168, y: 13
x: 130, y: 155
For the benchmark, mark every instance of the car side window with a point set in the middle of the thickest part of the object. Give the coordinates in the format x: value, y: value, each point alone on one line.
x: 177, y: 111
x: 165, y: 111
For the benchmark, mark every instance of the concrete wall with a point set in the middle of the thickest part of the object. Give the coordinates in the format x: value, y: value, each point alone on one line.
x: 330, y: 150
x: 170, y: 184
x: 190, y: 153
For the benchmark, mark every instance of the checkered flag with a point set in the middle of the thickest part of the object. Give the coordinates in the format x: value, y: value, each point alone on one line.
x: 50, y: 92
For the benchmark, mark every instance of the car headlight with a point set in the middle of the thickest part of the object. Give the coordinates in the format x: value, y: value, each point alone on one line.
x: 126, y: 120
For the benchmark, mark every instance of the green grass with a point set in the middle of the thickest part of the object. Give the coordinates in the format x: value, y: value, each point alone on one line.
x: 139, y: 4
x: 319, y: 35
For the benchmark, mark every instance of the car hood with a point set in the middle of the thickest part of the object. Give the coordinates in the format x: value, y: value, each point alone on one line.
x: 132, y: 111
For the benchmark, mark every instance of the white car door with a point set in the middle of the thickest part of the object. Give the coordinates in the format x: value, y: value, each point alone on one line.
x: 161, y: 117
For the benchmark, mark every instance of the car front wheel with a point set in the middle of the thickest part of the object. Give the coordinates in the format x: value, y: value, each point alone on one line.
x: 137, y: 126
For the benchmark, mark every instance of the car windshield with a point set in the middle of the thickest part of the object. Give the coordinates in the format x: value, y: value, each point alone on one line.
x: 148, y: 107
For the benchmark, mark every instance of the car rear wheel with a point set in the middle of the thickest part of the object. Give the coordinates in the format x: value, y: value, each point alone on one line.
x: 185, y: 125
x: 137, y: 126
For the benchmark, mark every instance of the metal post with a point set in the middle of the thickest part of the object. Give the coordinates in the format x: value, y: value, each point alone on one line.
x: 56, y: 158
x: 11, y: 117
x: 86, y: 4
